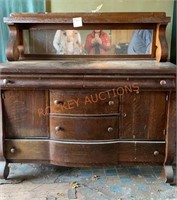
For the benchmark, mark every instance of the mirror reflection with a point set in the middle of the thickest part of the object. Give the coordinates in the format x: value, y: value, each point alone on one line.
x: 88, y: 42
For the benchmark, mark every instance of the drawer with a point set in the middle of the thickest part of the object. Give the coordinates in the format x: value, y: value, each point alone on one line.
x: 81, y: 154
x: 83, y: 102
x: 135, y: 83
x: 91, y: 81
x: 84, y: 128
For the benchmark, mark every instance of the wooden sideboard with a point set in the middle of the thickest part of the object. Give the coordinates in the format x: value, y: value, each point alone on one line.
x: 103, y: 113
x: 85, y: 111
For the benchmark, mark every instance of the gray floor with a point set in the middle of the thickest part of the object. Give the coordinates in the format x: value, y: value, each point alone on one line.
x: 48, y: 182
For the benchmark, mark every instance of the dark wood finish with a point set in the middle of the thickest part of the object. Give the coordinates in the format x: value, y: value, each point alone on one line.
x: 170, y: 138
x: 21, y: 114
x: 18, y: 22
x: 84, y: 154
x: 84, y: 128
x: 84, y: 101
x: 90, y: 18
x: 144, y: 116
x: 80, y: 66
x: 44, y: 116
x: 4, y: 169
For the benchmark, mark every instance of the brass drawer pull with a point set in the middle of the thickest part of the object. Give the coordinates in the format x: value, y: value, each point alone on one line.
x: 156, y: 153
x: 57, y: 102
x: 110, y: 129
x: 6, y: 81
x: 58, y: 128
x: 163, y: 82
x: 12, y: 150
x: 111, y: 103
x: 124, y: 114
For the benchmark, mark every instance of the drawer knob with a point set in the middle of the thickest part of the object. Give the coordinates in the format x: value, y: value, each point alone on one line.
x: 58, y: 128
x: 57, y: 102
x: 111, y: 103
x: 110, y: 129
x: 12, y: 150
x: 124, y: 114
x: 6, y: 81
x: 156, y: 153
x: 163, y: 82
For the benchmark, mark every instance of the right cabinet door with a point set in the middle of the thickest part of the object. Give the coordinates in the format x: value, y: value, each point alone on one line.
x: 143, y: 115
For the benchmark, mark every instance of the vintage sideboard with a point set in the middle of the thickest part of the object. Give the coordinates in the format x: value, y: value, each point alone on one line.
x: 83, y: 110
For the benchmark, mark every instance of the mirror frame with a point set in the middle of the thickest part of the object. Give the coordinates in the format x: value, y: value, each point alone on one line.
x: 156, y: 21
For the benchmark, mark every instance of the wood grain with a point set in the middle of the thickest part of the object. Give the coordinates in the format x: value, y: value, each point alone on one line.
x: 145, y: 116
x: 84, y: 154
x: 21, y: 114
x: 84, y: 128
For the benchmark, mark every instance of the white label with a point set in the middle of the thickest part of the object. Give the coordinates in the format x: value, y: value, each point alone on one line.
x: 77, y: 22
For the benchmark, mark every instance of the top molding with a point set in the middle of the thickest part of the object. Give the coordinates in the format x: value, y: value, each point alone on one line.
x: 106, y: 17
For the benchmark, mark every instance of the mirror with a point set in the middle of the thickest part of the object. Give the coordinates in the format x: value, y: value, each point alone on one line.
x: 88, y: 42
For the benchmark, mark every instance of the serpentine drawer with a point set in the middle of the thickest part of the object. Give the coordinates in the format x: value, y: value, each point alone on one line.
x: 84, y: 128
x: 84, y: 153
x: 83, y: 102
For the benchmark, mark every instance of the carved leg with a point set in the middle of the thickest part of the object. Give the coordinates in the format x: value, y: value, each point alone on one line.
x: 4, y: 170
x: 169, y: 173
x: 170, y: 139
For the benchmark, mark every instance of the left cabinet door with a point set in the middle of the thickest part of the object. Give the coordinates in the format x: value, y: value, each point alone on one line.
x: 21, y: 118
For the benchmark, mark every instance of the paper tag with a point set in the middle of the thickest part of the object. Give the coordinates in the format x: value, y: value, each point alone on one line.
x: 77, y: 22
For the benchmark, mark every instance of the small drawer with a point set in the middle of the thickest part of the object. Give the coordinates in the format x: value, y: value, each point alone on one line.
x: 83, y: 102
x: 84, y: 128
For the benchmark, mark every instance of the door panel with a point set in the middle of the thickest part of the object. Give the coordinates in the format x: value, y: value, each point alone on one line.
x: 144, y: 116
x: 21, y: 116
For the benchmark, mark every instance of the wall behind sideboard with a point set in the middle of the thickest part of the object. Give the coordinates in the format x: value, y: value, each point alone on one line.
x: 114, y: 6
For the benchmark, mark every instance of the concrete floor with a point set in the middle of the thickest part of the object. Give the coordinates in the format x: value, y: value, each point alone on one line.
x: 48, y: 182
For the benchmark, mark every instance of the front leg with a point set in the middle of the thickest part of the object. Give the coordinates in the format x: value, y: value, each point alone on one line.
x: 170, y: 139
x: 169, y: 173
x: 4, y: 170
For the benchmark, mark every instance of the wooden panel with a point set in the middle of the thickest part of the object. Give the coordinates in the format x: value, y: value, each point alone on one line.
x: 106, y: 83
x: 84, y: 154
x: 88, y: 66
x: 84, y: 128
x: 21, y: 114
x: 144, y: 116
x: 171, y: 130
x: 83, y: 102
x: 27, y: 150
x: 111, y: 17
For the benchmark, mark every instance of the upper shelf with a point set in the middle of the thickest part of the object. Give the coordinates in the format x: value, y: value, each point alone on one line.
x: 35, y: 36
x: 88, y: 18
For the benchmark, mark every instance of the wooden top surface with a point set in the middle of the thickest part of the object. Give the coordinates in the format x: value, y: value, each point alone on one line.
x: 88, y: 66
x: 104, y: 17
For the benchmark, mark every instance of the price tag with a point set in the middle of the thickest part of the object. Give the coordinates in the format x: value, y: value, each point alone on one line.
x: 77, y: 22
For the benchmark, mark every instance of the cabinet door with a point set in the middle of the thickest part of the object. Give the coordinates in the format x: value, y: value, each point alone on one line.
x: 143, y: 116
x: 20, y: 114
